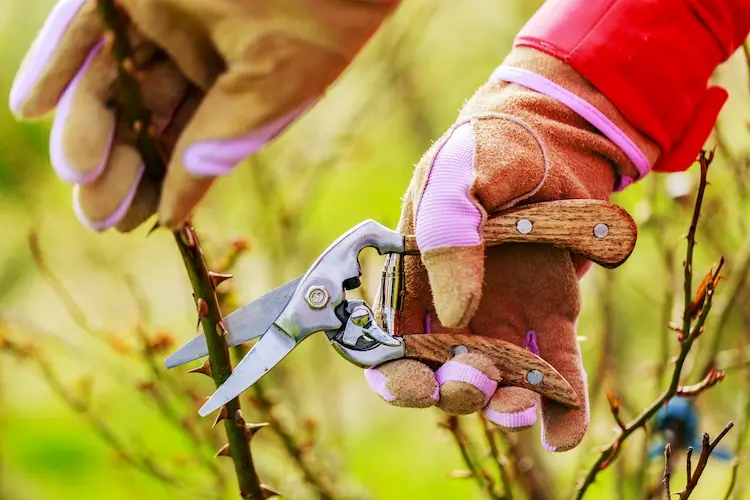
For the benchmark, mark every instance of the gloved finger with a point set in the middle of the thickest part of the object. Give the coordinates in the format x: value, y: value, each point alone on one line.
x: 512, y: 408
x: 102, y: 203
x: 121, y: 195
x: 467, y: 382
x: 84, y: 125
x: 59, y: 50
x: 245, y: 109
x: 515, y: 408
x: 404, y: 382
x: 563, y: 428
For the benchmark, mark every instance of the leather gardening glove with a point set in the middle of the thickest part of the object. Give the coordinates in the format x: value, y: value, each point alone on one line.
x: 221, y: 77
x: 510, y: 146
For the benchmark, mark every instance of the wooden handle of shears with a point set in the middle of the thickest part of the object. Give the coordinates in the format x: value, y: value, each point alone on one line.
x: 602, y: 232
x: 518, y: 366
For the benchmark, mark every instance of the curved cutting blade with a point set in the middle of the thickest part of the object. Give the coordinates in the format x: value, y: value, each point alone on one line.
x: 272, y: 347
x: 246, y: 323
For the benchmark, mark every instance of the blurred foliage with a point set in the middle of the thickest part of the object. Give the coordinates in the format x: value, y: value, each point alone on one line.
x: 349, y: 159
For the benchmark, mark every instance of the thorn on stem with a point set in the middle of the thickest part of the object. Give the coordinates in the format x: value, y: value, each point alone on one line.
x: 239, y: 419
x: 219, y: 278
x: 252, y: 429
x: 221, y: 330
x: 223, y: 451
x: 128, y: 66
x: 222, y: 415
x: 269, y: 492
x: 156, y: 226
x: 205, y: 369
x: 202, y: 310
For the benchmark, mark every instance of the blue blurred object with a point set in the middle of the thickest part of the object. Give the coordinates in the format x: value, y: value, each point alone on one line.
x: 677, y: 423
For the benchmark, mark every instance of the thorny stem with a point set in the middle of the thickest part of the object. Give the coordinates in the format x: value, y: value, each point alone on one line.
x: 610, y: 453
x: 706, y: 450
x: 218, y: 355
x: 187, y: 242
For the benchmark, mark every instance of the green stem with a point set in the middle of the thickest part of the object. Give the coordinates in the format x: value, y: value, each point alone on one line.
x: 218, y: 355
x: 203, y: 288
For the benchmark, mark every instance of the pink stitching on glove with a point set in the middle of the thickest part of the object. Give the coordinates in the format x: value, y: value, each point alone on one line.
x: 446, y: 216
x: 585, y: 110
x: 46, y: 44
x: 219, y: 157
x: 453, y: 371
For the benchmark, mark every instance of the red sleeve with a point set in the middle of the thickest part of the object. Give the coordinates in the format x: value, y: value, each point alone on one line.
x: 651, y: 58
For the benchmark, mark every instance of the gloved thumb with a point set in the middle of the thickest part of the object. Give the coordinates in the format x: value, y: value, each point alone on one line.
x: 447, y: 227
x: 481, y: 166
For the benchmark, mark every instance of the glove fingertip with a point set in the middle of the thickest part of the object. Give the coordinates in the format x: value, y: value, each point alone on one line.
x: 378, y: 383
x: 456, y: 276
x: 61, y: 44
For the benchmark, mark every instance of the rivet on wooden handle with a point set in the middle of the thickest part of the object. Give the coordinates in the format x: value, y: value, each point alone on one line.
x: 600, y: 231
x: 518, y: 366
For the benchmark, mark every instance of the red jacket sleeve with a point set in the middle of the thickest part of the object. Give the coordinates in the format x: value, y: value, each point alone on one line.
x: 651, y: 58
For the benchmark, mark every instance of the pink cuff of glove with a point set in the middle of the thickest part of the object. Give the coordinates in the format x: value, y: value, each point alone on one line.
x: 585, y: 110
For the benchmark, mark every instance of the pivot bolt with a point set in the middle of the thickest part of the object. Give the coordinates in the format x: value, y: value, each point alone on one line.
x: 317, y: 296
x: 601, y: 230
x: 524, y: 226
x: 460, y: 349
x: 534, y: 377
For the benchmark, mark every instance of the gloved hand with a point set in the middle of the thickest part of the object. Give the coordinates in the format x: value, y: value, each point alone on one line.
x: 222, y: 78
x: 510, y: 145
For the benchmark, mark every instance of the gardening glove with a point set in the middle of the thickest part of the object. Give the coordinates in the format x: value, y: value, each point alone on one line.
x: 221, y: 78
x: 511, y: 145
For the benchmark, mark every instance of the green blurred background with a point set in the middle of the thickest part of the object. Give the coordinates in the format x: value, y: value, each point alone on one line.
x: 349, y: 159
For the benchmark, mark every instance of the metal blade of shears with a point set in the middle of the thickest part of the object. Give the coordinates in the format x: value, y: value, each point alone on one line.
x: 246, y: 323
x: 272, y: 347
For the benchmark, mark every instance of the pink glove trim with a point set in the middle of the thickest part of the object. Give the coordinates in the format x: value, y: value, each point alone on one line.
x: 525, y: 418
x: 219, y: 157
x: 46, y: 44
x: 453, y: 371
x: 115, y: 216
x: 377, y: 382
x: 585, y: 110
x: 59, y: 161
x: 446, y: 216
x: 530, y: 343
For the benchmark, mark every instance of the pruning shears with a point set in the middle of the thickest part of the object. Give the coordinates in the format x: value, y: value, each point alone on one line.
x: 316, y: 302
